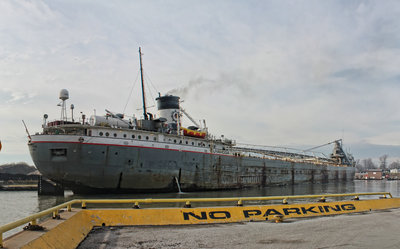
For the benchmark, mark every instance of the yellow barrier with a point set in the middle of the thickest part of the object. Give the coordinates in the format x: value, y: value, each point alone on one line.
x: 220, y: 215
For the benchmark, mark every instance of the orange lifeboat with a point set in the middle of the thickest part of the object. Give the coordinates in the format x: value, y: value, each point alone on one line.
x: 193, y: 133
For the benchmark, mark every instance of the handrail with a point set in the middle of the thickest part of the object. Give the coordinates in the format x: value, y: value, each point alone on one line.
x: 54, y: 210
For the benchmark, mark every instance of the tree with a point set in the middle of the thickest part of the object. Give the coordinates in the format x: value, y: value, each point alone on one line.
x: 383, y: 162
x: 395, y: 165
x: 368, y: 163
x: 359, y: 166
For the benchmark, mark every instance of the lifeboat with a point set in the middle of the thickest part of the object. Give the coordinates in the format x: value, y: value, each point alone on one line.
x: 193, y: 133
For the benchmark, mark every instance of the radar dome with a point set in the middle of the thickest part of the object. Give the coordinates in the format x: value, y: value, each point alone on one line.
x: 64, y: 95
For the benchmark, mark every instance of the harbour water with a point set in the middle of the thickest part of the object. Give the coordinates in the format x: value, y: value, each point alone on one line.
x: 19, y: 204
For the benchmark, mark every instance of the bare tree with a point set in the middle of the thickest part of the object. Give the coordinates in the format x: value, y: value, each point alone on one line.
x: 359, y: 166
x: 368, y: 163
x: 395, y: 165
x: 383, y: 162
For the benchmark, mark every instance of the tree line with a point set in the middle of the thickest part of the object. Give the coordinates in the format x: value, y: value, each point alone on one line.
x: 367, y: 163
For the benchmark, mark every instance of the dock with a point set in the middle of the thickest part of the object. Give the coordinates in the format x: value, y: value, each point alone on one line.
x: 375, y: 229
x: 309, y: 221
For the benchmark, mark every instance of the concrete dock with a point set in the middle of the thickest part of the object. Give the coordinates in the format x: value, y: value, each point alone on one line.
x: 376, y: 229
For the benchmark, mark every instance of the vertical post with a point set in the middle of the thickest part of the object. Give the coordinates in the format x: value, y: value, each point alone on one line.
x: 143, y: 93
x: 1, y: 240
x: 69, y: 208
x: 34, y: 222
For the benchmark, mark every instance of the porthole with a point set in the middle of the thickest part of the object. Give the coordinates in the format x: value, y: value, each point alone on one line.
x: 180, y: 141
x: 174, y: 140
x: 139, y: 137
x: 192, y: 143
x: 186, y: 142
x: 124, y: 135
x: 107, y: 134
x: 154, y: 138
x: 101, y: 133
x: 147, y: 137
x: 115, y: 134
x: 133, y: 136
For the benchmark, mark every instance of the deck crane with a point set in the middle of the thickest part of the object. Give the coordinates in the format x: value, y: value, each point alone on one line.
x: 338, y: 154
x: 190, y: 118
x: 319, y: 146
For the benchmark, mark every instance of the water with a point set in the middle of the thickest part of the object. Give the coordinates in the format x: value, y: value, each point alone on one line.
x: 15, y: 205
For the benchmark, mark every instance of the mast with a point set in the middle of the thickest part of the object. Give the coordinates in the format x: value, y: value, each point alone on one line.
x: 143, y: 94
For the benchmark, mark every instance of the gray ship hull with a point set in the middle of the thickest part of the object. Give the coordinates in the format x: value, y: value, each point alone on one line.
x: 98, y: 167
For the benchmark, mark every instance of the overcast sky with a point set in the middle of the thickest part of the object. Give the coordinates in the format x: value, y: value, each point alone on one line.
x: 291, y: 73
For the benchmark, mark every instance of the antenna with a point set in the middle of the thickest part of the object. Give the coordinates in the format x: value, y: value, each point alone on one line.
x: 72, y: 112
x: 64, y: 95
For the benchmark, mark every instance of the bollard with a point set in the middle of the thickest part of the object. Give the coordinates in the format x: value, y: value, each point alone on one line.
x: 284, y: 201
x: 83, y: 205
x: 322, y: 199
x: 356, y: 198
x: 136, y: 205
x: 69, y: 208
x: 240, y: 203
x: 188, y: 205
x: 34, y: 222
x: 56, y: 215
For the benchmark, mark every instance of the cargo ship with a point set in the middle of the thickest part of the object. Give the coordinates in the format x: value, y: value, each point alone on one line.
x: 113, y: 154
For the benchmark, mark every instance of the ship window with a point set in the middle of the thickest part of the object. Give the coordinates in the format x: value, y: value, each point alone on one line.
x: 192, y: 143
x: 107, y: 134
x: 133, y: 136
x: 147, y: 137
x: 90, y: 133
x: 180, y: 141
x: 139, y: 137
x: 198, y: 144
x: 174, y: 140
x: 154, y: 138
x: 186, y: 142
x: 101, y: 133
x: 115, y: 134
x: 124, y: 135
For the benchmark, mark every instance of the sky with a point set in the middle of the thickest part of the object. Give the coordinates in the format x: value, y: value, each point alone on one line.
x: 280, y: 73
